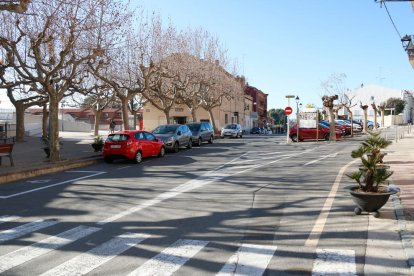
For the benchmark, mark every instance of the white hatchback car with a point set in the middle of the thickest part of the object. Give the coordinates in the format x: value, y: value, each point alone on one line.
x: 232, y: 130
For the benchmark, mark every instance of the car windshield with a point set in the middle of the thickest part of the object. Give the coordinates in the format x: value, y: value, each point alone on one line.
x: 117, y: 137
x: 166, y: 129
x: 231, y: 126
x: 194, y: 127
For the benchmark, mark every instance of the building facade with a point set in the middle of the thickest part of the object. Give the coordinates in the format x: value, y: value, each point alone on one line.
x: 259, y: 99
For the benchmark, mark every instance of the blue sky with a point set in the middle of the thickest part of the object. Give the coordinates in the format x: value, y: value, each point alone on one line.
x: 291, y: 46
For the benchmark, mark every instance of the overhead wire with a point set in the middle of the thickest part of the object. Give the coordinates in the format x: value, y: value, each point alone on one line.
x: 392, y: 21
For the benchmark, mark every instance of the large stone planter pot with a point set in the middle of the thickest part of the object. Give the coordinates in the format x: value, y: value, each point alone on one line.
x: 369, y: 202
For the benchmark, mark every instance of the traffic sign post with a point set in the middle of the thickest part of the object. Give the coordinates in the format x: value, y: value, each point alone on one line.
x: 288, y: 97
x: 288, y: 110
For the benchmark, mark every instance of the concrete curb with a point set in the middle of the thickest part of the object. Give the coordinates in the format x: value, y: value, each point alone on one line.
x: 405, y: 235
x: 47, y: 169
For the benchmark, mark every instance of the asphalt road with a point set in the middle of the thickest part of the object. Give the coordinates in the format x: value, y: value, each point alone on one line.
x: 248, y: 206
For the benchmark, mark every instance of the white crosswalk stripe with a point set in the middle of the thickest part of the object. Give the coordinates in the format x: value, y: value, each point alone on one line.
x: 97, y: 256
x: 25, y: 229
x: 30, y: 252
x: 4, y: 219
x: 334, y: 262
x: 171, y: 259
x: 251, y: 259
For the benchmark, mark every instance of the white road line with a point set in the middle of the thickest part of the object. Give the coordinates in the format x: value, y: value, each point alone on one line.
x: 4, y: 219
x: 97, y: 256
x: 322, y: 158
x: 126, y: 167
x: 53, y: 185
x: 321, y: 220
x: 35, y: 250
x: 170, y: 259
x: 199, y: 182
x: 25, y: 229
x: 250, y: 259
x: 334, y: 262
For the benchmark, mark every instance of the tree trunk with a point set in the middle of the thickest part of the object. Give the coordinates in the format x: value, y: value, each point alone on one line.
x: 98, y: 114
x: 332, y: 129
x: 45, y: 130
x: 167, y: 115
x: 213, y: 123
x: 19, y: 121
x: 365, y: 119
x: 375, y: 119
x: 352, y: 122
x: 193, y: 114
x: 382, y: 117
x: 125, y: 113
x: 135, y: 119
x: 54, y: 128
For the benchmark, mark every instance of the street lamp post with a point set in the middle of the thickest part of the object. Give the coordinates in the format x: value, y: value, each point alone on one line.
x: 287, y: 118
x: 297, y: 118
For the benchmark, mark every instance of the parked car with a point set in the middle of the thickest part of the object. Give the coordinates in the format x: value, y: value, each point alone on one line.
x: 312, y: 133
x: 327, y: 124
x: 348, y: 125
x: 255, y: 130
x: 232, y: 130
x: 174, y: 136
x: 201, y: 132
x: 356, y: 127
x: 132, y: 144
x: 370, y: 124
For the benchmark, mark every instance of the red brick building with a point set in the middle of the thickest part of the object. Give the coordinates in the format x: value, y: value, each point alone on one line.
x: 259, y: 105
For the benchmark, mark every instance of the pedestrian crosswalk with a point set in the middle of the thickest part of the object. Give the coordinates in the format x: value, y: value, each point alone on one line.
x: 247, y: 259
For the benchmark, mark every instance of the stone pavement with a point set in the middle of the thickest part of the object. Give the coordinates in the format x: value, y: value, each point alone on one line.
x: 30, y: 159
x: 393, y: 230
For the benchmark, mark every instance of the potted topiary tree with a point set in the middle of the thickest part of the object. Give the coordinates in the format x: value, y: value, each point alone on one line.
x: 98, y: 143
x: 371, y: 194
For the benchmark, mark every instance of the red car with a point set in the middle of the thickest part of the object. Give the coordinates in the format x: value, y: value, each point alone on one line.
x: 132, y: 144
x: 312, y: 133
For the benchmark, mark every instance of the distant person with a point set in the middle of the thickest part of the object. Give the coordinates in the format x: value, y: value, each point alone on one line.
x: 112, y: 126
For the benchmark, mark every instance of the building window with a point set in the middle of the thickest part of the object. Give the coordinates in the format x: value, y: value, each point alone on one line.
x: 105, y: 115
x: 226, y: 118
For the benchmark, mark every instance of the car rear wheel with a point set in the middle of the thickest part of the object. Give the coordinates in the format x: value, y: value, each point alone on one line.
x: 162, y: 152
x: 241, y: 135
x: 370, y: 127
x: 199, y: 142
x: 176, y: 147
x: 108, y: 159
x: 190, y: 144
x: 326, y: 137
x: 210, y: 141
x: 138, y: 157
x: 294, y: 138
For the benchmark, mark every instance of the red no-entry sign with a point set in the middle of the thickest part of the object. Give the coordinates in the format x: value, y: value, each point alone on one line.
x: 288, y: 110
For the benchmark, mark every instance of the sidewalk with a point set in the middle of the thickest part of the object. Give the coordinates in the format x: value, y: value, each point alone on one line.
x: 30, y: 159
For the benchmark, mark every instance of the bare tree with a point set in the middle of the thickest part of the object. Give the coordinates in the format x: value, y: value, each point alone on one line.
x: 348, y: 103
x: 17, y: 6
x: 334, y: 86
x: 50, y: 46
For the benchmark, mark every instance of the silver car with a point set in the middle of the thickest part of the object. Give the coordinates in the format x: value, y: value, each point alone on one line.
x: 202, y: 132
x: 232, y: 130
x: 174, y: 136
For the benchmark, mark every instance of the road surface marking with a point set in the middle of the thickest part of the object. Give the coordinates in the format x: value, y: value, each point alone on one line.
x: 97, y: 256
x: 170, y: 259
x: 126, y: 167
x: 30, y: 252
x: 250, y: 260
x: 334, y: 262
x: 215, y: 175
x: 317, y: 230
x: 39, y: 181
x: 322, y: 158
x: 4, y: 219
x: 53, y: 185
x: 25, y: 229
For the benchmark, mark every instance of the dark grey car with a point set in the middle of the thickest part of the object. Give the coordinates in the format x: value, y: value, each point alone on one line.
x: 202, y: 132
x: 174, y: 136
